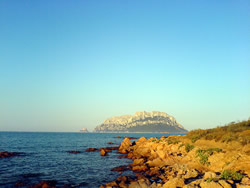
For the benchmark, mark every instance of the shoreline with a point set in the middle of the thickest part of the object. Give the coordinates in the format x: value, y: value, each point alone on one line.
x: 177, y: 162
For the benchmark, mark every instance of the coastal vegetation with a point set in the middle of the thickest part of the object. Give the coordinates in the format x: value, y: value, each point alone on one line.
x: 234, y: 131
x: 203, y: 154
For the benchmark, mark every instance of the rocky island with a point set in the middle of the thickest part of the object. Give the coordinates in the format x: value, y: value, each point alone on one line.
x: 142, y: 122
x: 84, y: 130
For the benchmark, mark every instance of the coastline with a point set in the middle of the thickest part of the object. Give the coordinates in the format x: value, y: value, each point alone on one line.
x: 177, y: 162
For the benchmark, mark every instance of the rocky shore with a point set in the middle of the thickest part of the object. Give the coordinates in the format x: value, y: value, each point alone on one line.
x: 177, y: 161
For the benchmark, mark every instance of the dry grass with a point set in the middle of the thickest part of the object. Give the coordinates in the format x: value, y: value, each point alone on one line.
x: 233, y: 131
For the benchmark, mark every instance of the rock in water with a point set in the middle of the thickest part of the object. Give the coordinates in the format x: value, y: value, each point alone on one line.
x: 142, y: 122
x: 103, y: 152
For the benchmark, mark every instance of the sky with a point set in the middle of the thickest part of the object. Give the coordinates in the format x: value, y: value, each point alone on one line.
x: 67, y: 65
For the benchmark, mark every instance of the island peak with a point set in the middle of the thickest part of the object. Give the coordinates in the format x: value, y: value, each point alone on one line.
x: 141, y: 121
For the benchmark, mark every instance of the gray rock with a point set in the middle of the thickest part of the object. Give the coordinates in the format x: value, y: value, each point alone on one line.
x: 141, y: 122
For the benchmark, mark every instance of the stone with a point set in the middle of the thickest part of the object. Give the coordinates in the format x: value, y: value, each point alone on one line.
x: 142, y: 139
x: 130, y: 138
x: 134, y: 185
x: 156, y: 163
x: 122, y: 184
x: 242, y: 186
x: 74, y: 152
x: 125, y: 146
x: 122, y: 178
x: 120, y: 168
x: 211, y: 184
x: 109, y: 149
x: 91, y: 150
x: 191, y: 174
x: 189, y: 186
x: 245, y: 181
x: 173, y: 183
x: 103, y: 152
x: 161, y: 154
x: 224, y: 184
x: 144, y: 183
x: 209, y: 175
x: 138, y: 162
x: 9, y: 154
x: 122, y: 156
x: 112, y: 184
x: 141, y: 168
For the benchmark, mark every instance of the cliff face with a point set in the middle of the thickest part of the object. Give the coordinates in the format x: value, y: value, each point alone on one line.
x: 141, y: 122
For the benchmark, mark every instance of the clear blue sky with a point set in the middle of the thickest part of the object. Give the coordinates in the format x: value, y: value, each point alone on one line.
x: 65, y: 65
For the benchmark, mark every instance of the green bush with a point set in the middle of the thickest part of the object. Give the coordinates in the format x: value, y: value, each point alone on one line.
x: 189, y: 147
x: 204, y: 154
x: 231, y: 175
x: 228, y: 133
x: 174, y: 141
x: 195, y: 138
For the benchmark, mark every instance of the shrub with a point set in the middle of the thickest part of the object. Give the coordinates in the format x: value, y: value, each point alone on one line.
x: 189, y: 147
x: 228, y: 133
x: 195, y: 138
x: 231, y: 175
x: 204, y: 154
x: 173, y: 141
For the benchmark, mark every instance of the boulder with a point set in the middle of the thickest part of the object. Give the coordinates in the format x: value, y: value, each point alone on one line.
x: 245, y: 181
x: 175, y: 182
x: 142, y: 139
x: 209, y: 175
x: 138, y: 162
x: 125, y: 146
x: 156, y: 163
x: 141, y: 168
x: 144, y: 183
x: 103, y: 152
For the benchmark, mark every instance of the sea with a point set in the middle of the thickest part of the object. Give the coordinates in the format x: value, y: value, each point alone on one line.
x: 45, y: 156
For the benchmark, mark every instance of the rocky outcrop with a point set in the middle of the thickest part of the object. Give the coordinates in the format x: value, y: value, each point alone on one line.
x: 6, y: 154
x: 74, y: 152
x: 141, y: 122
x: 177, y: 162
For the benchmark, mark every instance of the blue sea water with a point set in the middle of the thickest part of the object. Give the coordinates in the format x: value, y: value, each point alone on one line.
x: 46, y: 158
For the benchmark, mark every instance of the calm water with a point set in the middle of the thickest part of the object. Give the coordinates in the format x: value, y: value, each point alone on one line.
x: 46, y: 158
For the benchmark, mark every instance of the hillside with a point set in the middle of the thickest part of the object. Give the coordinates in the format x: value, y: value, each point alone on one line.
x: 141, y: 122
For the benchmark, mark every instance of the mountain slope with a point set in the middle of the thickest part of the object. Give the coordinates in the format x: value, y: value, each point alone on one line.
x: 141, y: 122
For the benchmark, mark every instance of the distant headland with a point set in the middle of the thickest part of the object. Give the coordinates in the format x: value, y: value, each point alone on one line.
x: 84, y: 130
x: 142, y: 122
